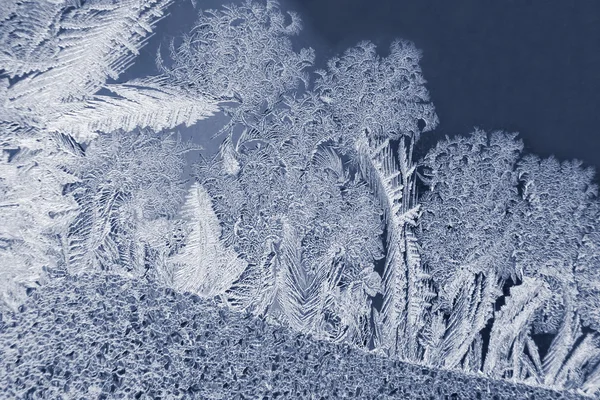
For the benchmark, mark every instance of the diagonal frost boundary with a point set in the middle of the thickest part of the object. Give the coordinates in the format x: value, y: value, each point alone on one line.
x: 104, y: 336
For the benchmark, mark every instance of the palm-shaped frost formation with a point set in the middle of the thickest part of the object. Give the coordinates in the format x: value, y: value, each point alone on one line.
x: 204, y: 265
x: 373, y: 100
x: 452, y: 338
x: 308, y: 232
x: 509, y: 334
x: 406, y: 292
x: 475, y: 224
x: 466, y: 235
x: 559, y: 214
x: 332, y: 115
x: 295, y: 157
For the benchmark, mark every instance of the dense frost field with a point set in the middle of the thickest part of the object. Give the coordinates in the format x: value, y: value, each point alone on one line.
x: 315, y: 214
x: 103, y: 336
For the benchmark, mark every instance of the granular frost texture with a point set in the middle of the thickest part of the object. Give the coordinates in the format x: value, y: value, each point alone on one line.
x: 103, y: 336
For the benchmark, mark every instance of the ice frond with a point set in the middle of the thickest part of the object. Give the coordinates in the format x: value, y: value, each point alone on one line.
x: 230, y: 163
x: 406, y: 292
x: 511, y: 328
x: 258, y: 285
x: 579, y: 367
x: 297, y: 299
x: 471, y: 305
x: 562, y: 344
x: 84, y: 46
x: 34, y: 212
x: 204, y: 265
x: 28, y: 36
x: 141, y: 103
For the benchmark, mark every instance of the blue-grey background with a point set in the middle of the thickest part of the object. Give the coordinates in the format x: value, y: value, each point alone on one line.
x: 526, y: 66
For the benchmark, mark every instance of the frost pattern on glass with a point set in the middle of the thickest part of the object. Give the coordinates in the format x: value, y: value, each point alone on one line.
x: 204, y: 265
x: 89, y: 43
x: 123, y: 179
x: 136, y: 339
x: 34, y: 209
x: 241, y: 55
x: 28, y: 37
x: 314, y: 215
x: 509, y: 239
x: 140, y: 103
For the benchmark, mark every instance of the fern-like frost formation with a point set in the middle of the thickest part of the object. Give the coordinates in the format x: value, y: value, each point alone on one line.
x: 316, y: 254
